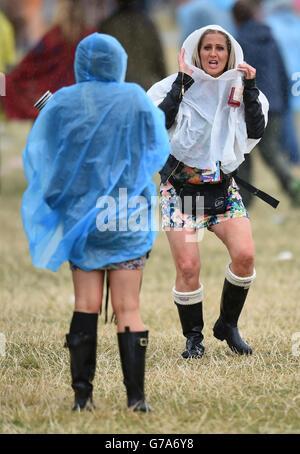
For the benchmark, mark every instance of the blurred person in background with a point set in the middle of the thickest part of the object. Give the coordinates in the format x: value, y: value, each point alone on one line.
x: 48, y: 9
x: 194, y: 14
x: 140, y: 38
x: 91, y: 140
x: 98, y: 10
x: 296, y: 6
x: 28, y: 22
x: 7, y: 47
x: 7, y: 60
x: 49, y: 65
x: 145, y: 5
x: 262, y: 52
x: 285, y: 25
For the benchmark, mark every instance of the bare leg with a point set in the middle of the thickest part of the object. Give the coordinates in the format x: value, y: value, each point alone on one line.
x: 88, y: 289
x: 125, y: 296
x: 236, y: 234
x: 186, y: 258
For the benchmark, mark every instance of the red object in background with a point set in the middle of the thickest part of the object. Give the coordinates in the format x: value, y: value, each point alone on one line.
x: 48, y: 66
x: 296, y: 5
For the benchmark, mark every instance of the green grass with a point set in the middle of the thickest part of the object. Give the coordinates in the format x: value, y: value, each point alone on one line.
x: 222, y: 393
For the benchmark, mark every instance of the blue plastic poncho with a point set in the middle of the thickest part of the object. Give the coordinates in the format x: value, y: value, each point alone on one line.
x: 89, y: 162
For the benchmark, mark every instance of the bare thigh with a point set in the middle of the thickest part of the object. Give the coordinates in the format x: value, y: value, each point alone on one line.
x: 236, y: 234
x: 88, y: 289
x: 125, y: 288
x: 185, y: 251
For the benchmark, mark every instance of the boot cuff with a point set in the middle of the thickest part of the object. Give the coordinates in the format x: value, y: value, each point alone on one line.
x: 188, y: 298
x: 238, y: 280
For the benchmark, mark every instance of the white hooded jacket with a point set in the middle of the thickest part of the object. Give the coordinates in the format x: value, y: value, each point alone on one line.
x: 206, y: 129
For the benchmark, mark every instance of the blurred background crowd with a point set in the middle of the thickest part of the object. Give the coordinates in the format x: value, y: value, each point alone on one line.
x: 38, y: 39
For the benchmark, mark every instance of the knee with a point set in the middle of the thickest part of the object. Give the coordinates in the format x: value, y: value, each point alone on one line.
x: 126, y: 306
x: 88, y: 305
x: 243, y: 262
x: 188, y: 268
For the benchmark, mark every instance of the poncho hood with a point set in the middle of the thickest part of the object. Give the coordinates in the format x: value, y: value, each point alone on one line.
x: 206, y: 129
x: 100, y: 57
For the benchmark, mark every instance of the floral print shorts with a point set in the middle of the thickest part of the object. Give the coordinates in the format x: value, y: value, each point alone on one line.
x: 134, y: 264
x: 172, y: 217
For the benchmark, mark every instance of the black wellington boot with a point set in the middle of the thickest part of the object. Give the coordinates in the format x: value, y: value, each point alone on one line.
x: 191, y: 319
x: 232, y: 302
x: 82, y: 347
x: 132, y: 347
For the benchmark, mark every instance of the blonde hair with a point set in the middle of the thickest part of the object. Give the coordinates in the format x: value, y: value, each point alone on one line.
x: 196, y: 60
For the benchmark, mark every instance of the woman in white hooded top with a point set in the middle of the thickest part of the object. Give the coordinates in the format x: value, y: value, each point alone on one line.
x: 215, y: 114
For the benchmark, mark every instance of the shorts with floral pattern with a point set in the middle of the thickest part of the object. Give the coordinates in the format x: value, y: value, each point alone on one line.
x: 172, y: 217
x: 134, y: 264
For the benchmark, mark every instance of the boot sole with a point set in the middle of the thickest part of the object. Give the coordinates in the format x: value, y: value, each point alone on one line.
x: 142, y: 406
x: 87, y: 406
x: 232, y: 348
x: 192, y: 356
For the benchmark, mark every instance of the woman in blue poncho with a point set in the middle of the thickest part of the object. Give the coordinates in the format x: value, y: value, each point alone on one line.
x: 89, y: 163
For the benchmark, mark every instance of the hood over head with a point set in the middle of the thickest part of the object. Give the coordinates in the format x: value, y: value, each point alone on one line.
x: 192, y: 42
x: 100, y: 57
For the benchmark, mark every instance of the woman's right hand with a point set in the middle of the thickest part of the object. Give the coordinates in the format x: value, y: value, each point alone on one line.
x: 183, y: 68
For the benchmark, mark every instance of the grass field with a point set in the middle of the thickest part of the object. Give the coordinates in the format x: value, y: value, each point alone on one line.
x: 222, y: 393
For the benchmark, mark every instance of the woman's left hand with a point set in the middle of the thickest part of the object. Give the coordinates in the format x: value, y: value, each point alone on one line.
x: 249, y: 71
